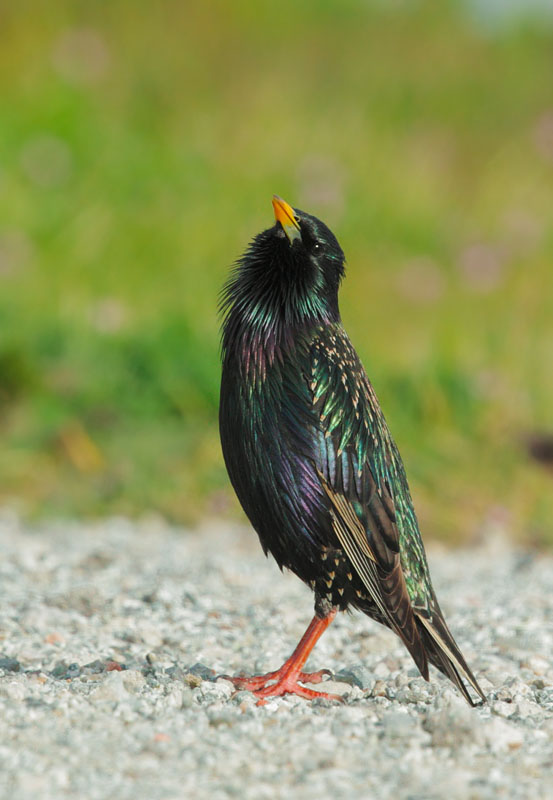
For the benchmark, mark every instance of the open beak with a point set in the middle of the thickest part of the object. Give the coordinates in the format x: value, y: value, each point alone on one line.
x: 287, y: 218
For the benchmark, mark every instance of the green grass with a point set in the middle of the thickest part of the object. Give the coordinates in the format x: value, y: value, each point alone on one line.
x: 139, y: 149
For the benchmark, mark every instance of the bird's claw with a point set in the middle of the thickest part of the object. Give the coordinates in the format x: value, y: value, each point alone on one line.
x: 289, y: 685
x: 253, y: 683
x: 278, y: 683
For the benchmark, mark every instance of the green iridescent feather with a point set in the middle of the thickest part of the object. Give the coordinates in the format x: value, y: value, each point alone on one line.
x: 353, y: 424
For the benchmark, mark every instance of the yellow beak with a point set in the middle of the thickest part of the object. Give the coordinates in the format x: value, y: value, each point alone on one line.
x: 284, y: 214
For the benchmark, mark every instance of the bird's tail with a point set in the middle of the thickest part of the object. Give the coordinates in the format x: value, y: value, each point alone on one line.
x: 444, y: 653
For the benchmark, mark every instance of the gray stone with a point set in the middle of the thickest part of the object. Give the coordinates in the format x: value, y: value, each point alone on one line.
x: 356, y: 675
x: 9, y: 664
x: 133, y: 680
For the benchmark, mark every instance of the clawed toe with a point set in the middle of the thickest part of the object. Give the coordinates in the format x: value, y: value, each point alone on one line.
x: 279, y: 683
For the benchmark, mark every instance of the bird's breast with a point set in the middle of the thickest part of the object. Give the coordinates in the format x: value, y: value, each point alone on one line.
x: 266, y: 422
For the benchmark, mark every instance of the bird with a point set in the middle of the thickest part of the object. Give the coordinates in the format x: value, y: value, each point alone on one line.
x: 311, y: 457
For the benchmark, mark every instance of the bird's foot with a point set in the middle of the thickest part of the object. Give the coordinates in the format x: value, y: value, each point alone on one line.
x: 289, y: 684
x: 281, y: 682
x: 253, y: 683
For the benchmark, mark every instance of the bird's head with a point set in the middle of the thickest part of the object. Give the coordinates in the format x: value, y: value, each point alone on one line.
x: 289, y: 274
x: 308, y: 246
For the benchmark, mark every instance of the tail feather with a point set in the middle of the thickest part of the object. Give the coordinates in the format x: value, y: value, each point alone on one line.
x: 444, y: 653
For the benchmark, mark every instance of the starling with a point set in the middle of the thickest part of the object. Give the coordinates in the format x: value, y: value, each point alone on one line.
x: 311, y: 458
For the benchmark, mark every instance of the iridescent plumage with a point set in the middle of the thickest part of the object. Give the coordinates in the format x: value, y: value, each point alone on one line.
x: 308, y: 450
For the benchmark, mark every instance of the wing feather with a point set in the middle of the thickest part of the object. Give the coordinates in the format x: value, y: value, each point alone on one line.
x: 370, y: 506
x: 351, y: 450
x: 384, y: 582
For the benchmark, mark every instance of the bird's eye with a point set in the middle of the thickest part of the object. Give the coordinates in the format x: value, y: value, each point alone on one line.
x: 315, y: 247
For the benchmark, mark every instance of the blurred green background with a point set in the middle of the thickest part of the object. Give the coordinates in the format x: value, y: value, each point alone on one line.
x: 140, y: 145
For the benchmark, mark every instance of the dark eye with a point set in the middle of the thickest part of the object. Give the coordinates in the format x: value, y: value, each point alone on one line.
x: 309, y: 242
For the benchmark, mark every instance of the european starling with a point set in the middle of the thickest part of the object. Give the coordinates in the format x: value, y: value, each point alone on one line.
x: 311, y: 457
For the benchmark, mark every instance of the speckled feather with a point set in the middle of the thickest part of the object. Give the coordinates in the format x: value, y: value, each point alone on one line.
x: 309, y: 452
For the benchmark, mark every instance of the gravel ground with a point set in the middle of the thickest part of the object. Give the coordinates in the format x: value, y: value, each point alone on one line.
x: 111, y: 635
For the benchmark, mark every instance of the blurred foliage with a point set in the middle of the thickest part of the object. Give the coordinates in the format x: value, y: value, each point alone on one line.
x: 140, y: 145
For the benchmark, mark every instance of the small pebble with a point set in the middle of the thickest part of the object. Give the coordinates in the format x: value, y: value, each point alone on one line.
x: 9, y: 664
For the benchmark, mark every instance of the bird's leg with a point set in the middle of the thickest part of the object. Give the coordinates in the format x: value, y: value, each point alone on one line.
x: 287, y: 678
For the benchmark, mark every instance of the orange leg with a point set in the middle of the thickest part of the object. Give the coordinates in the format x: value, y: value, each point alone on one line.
x: 287, y: 678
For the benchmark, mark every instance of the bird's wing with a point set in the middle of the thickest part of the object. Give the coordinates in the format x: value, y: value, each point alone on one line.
x: 356, y: 462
